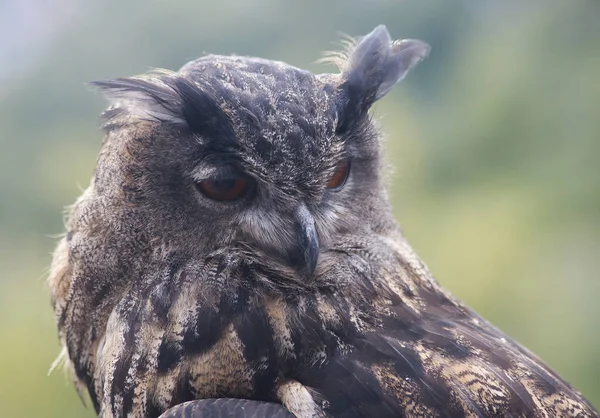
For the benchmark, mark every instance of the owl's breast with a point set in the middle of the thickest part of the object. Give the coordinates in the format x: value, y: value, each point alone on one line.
x: 221, y: 371
x: 226, y: 353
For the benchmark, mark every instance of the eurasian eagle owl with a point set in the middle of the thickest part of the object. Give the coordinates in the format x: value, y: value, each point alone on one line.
x: 236, y: 242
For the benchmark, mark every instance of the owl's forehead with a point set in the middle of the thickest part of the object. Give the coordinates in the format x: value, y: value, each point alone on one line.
x: 282, y: 116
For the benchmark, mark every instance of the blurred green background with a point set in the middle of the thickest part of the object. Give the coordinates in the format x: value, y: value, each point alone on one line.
x: 494, y: 139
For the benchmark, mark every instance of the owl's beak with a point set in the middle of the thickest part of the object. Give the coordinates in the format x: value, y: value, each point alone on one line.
x: 305, y: 254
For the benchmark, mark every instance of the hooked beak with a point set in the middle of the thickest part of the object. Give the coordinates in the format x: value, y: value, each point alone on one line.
x: 305, y: 253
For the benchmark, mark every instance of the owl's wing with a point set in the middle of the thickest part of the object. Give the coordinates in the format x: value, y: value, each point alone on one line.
x: 443, y: 361
x: 227, y: 407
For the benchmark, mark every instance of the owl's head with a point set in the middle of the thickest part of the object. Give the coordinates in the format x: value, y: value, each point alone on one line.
x: 246, y: 153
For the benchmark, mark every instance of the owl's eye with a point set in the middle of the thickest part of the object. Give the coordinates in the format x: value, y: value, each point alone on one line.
x: 340, y: 175
x: 224, y: 189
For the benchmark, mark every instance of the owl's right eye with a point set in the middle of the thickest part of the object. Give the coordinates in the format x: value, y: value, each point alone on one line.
x: 224, y: 189
x: 340, y: 176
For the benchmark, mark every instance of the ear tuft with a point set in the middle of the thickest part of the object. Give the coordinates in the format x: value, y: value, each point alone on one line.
x: 148, y: 97
x: 165, y: 97
x: 377, y: 63
x: 372, y: 66
x: 403, y: 56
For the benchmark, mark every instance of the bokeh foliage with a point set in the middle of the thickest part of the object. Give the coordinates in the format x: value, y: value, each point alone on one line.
x: 494, y: 142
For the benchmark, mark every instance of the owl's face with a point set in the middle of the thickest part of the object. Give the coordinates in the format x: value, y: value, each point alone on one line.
x: 249, y: 154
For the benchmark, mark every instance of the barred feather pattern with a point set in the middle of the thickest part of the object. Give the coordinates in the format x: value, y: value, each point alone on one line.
x: 374, y: 335
x: 163, y: 297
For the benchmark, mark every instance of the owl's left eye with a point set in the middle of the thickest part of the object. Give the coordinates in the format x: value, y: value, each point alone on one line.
x: 340, y: 176
x: 224, y: 189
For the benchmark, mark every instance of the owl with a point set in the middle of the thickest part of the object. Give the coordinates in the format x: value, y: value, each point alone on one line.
x: 236, y: 255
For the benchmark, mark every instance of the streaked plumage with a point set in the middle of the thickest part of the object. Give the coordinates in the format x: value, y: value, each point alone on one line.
x: 163, y: 295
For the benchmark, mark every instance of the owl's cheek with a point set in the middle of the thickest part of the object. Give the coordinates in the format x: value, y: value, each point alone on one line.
x: 334, y: 221
x: 289, y: 239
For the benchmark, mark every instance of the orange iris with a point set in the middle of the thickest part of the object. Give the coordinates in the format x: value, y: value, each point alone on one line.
x: 340, y: 175
x: 223, y: 189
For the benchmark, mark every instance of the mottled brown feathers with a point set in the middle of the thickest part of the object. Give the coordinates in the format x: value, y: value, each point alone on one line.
x: 164, y: 296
